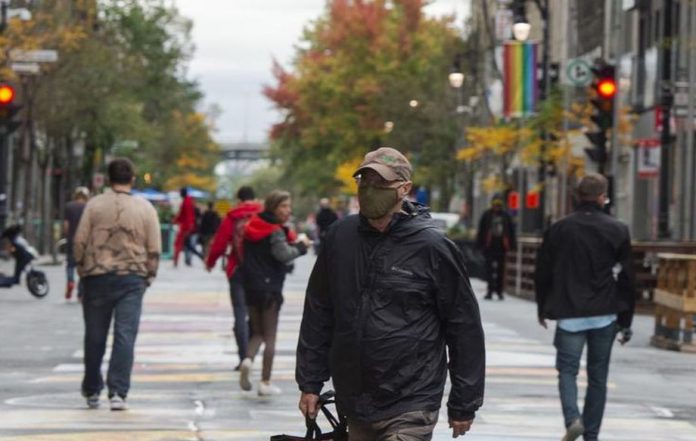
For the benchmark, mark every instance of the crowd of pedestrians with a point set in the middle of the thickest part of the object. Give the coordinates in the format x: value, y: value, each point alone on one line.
x: 389, y: 310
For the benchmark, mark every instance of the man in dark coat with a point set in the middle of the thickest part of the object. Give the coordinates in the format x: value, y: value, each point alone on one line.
x: 325, y: 217
x: 496, y: 236
x: 585, y: 281
x: 210, y: 221
x: 388, y: 303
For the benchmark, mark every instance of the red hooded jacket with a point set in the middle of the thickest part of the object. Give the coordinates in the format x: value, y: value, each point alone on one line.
x: 230, y: 236
x: 186, y: 218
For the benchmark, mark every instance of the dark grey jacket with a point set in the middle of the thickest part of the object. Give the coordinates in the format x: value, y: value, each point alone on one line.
x: 382, y: 313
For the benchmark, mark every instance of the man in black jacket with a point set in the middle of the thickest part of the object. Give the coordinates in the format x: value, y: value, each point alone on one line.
x: 388, y: 299
x: 585, y: 281
x: 496, y: 236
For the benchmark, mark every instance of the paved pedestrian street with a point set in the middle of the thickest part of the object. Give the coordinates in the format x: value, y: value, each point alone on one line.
x: 184, y: 387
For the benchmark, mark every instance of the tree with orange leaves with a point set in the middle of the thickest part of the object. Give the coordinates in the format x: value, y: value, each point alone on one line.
x: 357, y: 68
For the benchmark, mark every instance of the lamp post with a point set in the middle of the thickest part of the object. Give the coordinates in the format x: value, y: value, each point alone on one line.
x: 521, y: 30
x: 456, y: 80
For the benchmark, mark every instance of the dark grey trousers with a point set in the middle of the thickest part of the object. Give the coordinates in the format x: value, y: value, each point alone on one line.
x: 410, y: 426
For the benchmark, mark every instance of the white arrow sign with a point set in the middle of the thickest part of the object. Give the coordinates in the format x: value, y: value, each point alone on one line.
x: 26, y: 68
x: 40, y: 56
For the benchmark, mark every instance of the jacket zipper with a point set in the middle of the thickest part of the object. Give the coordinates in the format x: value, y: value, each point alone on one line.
x: 362, y: 311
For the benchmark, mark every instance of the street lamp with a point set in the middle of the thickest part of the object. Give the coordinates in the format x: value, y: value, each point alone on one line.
x: 521, y: 30
x: 456, y: 79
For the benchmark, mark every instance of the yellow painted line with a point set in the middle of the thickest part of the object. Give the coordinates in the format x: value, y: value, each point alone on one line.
x: 512, y: 380
x: 197, y: 377
x: 140, y: 435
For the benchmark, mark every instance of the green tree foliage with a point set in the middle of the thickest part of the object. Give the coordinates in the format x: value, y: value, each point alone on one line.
x: 357, y: 67
x: 123, y: 91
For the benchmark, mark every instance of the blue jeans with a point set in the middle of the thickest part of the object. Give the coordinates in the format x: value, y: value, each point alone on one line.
x: 239, y: 309
x: 104, y: 297
x: 569, y: 347
x: 69, y: 262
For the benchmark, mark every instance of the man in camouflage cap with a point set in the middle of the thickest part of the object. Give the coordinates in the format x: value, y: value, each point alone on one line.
x: 388, y: 300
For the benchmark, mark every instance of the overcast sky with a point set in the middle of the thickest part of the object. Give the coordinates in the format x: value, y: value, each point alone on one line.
x: 235, y: 43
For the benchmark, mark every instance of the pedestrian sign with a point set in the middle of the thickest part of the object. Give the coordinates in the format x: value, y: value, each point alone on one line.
x: 579, y: 72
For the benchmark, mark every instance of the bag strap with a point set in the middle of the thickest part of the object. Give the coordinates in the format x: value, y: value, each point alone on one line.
x: 339, y: 425
x: 313, y: 430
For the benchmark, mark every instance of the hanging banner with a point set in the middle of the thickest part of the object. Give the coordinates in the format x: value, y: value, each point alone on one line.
x: 520, y: 86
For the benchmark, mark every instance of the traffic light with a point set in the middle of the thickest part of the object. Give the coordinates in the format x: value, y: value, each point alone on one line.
x: 8, y: 109
x: 533, y: 200
x: 513, y: 201
x: 603, y: 92
x: 7, y: 94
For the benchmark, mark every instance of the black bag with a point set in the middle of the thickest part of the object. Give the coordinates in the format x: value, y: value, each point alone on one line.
x: 339, y: 425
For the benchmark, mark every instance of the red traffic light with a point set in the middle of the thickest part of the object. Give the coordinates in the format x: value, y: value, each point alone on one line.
x: 514, y: 200
x: 533, y: 200
x: 7, y: 94
x: 606, y: 88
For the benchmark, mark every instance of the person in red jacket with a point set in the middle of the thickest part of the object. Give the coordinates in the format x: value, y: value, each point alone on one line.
x: 228, y: 240
x: 186, y: 220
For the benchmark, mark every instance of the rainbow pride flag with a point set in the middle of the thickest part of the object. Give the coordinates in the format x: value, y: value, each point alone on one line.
x: 520, y: 87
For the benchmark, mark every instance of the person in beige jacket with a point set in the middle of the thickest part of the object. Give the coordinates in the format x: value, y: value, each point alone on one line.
x: 117, y: 248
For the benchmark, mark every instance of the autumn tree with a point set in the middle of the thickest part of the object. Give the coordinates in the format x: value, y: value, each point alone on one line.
x: 357, y: 67
x: 118, y: 88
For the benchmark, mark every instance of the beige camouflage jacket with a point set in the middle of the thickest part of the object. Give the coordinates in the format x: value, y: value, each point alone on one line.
x: 118, y: 234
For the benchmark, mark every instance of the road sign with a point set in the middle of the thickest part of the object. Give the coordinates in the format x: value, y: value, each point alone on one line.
x: 578, y: 72
x: 39, y: 56
x: 21, y: 13
x: 97, y: 181
x: 26, y: 68
x: 648, y: 158
x: 681, y: 99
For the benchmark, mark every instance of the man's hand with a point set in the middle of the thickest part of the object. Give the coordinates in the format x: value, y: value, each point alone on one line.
x: 626, y: 335
x: 543, y: 324
x: 309, y: 405
x: 208, y: 268
x: 460, y: 427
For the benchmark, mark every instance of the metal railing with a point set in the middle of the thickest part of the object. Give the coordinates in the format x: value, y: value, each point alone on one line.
x: 645, y: 267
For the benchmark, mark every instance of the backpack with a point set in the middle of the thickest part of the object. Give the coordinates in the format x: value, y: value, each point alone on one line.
x: 237, y: 242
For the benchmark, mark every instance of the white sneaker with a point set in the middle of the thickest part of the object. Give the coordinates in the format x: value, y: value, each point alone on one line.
x: 268, y: 389
x: 244, y: 373
x: 118, y: 403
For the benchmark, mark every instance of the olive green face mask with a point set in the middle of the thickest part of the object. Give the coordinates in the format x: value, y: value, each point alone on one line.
x: 376, y: 202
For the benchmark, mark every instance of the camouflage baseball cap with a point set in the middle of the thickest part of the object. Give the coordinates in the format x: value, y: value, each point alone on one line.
x: 388, y: 162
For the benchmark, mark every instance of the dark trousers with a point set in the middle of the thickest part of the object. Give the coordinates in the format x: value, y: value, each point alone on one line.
x: 495, y: 270
x: 239, y: 310
x: 410, y: 426
x: 104, y: 297
x: 569, y: 347
x: 190, y: 248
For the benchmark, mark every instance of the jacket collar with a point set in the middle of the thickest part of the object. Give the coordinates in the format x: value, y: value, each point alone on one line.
x: 412, y: 217
x: 588, y: 206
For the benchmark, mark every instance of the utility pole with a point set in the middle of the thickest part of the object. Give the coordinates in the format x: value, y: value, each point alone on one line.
x: 543, y: 6
x: 667, y: 100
